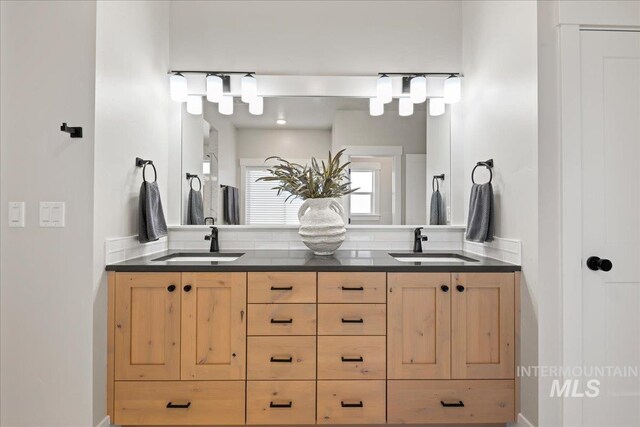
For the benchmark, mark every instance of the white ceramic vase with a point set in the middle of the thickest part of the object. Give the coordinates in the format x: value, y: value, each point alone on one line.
x: 321, y: 225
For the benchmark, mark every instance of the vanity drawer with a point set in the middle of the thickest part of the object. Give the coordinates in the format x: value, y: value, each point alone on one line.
x: 282, y: 319
x: 281, y: 402
x: 351, y: 357
x: 451, y: 401
x: 281, y: 358
x: 165, y: 402
x: 282, y: 287
x: 352, y: 319
x: 351, y: 402
x: 352, y: 287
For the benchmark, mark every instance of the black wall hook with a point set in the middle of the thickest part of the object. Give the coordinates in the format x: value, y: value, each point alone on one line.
x: 74, y: 132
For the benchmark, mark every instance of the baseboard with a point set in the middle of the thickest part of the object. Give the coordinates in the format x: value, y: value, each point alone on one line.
x: 106, y: 422
x: 522, y: 421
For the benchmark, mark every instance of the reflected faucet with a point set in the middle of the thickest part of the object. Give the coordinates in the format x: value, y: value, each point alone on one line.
x: 418, y: 238
x: 213, y: 220
x: 215, y: 247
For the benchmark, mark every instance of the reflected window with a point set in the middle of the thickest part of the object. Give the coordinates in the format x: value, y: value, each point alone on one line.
x: 262, y: 205
x: 363, y: 200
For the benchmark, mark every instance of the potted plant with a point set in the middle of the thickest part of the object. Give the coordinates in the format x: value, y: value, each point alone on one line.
x: 319, y: 185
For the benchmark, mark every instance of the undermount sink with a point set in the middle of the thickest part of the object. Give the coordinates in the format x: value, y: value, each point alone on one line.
x: 200, y: 257
x: 431, y: 257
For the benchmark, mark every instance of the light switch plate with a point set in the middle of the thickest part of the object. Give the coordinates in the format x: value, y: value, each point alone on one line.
x: 16, y: 214
x: 52, y: 214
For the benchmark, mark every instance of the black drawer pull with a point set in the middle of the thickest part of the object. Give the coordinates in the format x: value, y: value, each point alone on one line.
x: 281, y: 359
x: 347, y: 288
x: 458, y: 404
x: 281, y: 320
x: 172, y: 405
x: 352, y: 405
x: 352, y: 320
x: 282, y: 288
x: 280, y: 405
x: 171, y: 288
x: 352, y: 359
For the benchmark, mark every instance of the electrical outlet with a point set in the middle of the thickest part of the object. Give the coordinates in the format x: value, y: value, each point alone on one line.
x: 16, y: 214
x: 52, y: 214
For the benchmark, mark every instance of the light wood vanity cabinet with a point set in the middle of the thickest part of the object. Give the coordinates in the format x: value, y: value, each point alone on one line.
x: 279, y: 348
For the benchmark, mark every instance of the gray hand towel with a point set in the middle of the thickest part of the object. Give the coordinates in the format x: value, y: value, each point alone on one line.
x: 195, y: 210
x: 151, y: 223
x: 480, y: 224
x: 437, y: 215
x: 231, y: 204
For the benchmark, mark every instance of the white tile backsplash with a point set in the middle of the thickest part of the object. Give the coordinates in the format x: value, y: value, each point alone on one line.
x: 123, y: 248
x: 398, y: 238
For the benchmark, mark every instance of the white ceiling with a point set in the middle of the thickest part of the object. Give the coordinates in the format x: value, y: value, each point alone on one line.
x: 302, y: 112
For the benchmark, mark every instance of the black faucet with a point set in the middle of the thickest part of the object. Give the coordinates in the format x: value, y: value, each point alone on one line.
x: 417, y: 240
x: 214, y: 240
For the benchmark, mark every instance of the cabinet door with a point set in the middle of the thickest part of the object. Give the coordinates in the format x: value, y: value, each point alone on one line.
x: 147, y: 332
x: 483, y: 325
x: 214, y: 326
x: 418, y: 326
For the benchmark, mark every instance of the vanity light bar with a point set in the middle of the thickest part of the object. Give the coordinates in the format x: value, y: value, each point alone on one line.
x: 218, y: 88
x: 414, y: 91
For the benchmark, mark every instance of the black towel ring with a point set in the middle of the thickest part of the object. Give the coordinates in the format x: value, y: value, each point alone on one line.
x: 435, y: 182
x: 191, y: 182
x: 144, y: 169
x: 487, y: 164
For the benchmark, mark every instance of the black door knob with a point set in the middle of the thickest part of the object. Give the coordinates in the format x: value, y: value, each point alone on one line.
x: 171, y: 288
x: 187, y: 288
x: 444, y: 288
x: 595, y: 263
x: 460, y: 288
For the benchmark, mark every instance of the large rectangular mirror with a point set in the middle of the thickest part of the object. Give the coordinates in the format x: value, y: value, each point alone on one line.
x: 394, y: 160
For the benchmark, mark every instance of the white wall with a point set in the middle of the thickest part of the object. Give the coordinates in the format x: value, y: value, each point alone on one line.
x: 316, y: 37
x: 439, y: 159
x: 227, y: 146
x: 132, y: 105
x: 500, y: 110
x: 47, y: 77
x: 286, y: 143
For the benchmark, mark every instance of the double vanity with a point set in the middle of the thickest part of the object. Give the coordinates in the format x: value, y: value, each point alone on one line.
x: 285, y: 337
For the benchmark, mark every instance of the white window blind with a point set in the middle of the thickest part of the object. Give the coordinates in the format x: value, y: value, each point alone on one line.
x: 263, y: 205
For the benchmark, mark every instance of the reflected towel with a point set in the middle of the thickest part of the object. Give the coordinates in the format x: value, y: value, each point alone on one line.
x: 231, y: 205
x: 151, y: 223
x: 195, y: 210
x: 437, y: 215
x: 480, y: 224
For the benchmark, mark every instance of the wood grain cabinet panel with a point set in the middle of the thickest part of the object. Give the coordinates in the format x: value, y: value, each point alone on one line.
x: 213, y: 326
x: 282, y: 319
x: 281, y: 402
x: 281, y: 358
x: 483, y: 326
x: 453, y: 401
x: 282, y: 287
x: 351, y: 358
x: 418, y: 326
x: 352, y: 287
x: 352, y: 402
x: 177, y: 403
x: 147, y: 326
x: 352, y: 319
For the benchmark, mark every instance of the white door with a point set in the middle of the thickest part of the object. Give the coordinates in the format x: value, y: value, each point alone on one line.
x: 610, y: 101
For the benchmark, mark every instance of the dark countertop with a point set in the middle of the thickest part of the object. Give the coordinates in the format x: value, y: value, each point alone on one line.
x: 300, y: 260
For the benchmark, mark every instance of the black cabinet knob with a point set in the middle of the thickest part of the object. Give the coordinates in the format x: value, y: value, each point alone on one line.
x: 595, y: 263
x: 187, y: 288
x: 444, y: 288
x: 171, y: 288
x: 460, y: 288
